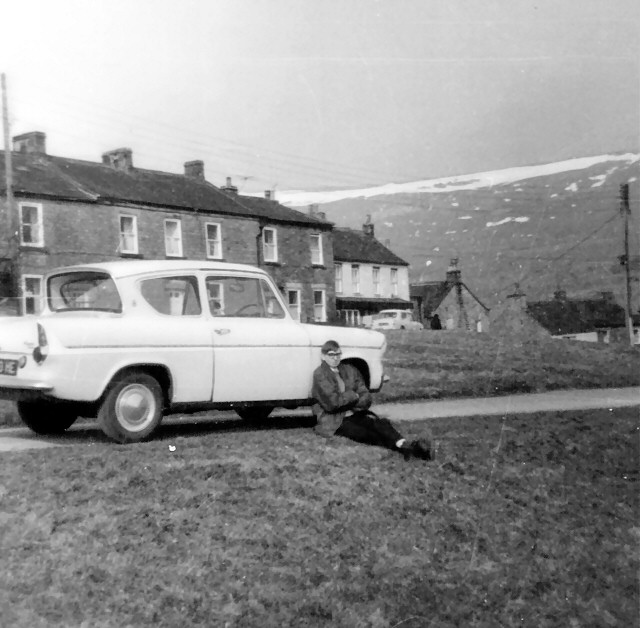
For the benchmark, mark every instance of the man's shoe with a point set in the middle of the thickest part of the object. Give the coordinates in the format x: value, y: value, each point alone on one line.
x: 422, y: 448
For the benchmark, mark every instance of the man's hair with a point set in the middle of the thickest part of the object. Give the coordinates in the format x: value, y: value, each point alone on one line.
x: 330, y: 345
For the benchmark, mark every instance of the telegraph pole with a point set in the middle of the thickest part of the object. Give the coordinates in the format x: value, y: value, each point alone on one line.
x: 625, y: 211
x: 12, y: 222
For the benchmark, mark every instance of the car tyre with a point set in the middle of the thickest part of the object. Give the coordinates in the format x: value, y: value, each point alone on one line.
x: 255, y: 414
x: 47, y: 417
x: 132, y: 408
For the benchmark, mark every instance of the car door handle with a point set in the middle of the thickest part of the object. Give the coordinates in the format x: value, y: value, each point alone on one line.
x: 222, y: 332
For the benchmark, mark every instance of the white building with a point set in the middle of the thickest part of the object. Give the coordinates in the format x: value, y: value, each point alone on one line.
x: 369, y: 277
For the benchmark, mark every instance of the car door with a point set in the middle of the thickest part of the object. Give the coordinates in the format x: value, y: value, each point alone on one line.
x: 260, y: 353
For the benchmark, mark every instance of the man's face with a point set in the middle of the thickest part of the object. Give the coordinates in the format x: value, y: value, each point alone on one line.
x: 332, y: 358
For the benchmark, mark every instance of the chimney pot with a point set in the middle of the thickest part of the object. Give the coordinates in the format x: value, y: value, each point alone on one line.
x: 229, y: 187
x: 119, y: 159
x: 267, y: 194
x: 32, y: 142
x: 194, y: 169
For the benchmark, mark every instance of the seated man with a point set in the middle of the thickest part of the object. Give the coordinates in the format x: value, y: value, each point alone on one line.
x: 342, y: 400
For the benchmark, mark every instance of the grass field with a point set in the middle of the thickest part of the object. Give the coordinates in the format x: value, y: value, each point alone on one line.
x: 519, y: 522
x: 454, y: 364
x: 432, y: 365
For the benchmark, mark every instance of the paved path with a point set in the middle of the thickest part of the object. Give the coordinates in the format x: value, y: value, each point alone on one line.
x: 19, y: 438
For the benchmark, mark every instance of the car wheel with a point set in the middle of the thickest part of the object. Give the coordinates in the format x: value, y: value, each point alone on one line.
x: 47, y: 417
x: 132, y: 408
x: 254, y: 414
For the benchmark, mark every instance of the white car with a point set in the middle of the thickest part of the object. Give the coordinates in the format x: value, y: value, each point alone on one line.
x: 129, y: 341
x: 395, y: 319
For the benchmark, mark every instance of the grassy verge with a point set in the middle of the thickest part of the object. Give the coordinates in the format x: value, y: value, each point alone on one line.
x: 527, y: 522
x: 434, y: 365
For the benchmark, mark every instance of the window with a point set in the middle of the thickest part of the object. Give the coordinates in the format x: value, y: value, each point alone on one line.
x: 173, y: 238
x: 376, y: 281
x: 128, y: 234
x: 394, y: 282
x: 270, y: 244
x: 245, y: 297
x: 32, y: 292
x: 316, y: 250
x: 83, y: 291
x: 355, y: 278
x: 338, y: 269
x: 350, y: 317
x: 319, y: 306
x: 31, y: 231
x: 293, y: 302
x: 174, y: 296
x: 214, y: 240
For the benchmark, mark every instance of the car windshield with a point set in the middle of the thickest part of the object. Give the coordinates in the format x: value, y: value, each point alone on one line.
x: 388, y: 315
x: 83, y: 290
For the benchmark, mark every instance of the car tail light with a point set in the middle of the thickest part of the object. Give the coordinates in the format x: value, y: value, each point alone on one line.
x: 41, y: 352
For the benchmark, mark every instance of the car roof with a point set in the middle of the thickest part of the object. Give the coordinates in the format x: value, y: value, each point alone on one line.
x: 127, y: 268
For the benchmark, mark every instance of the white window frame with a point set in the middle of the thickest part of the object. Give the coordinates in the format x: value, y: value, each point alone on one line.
x: 355, y: 278
x: 317, y: 257
x: 323, y: 305
x: 295, y: 309
x: 270, y: 249
x: 394, y: 282
x: 38, y: 227
x: 31, y: 297
x: 213, y: 243
x: 173, y: 242
x: 338, y: 274
x: 375, y: 274
x: 220, y: 298
x: 133, y: 234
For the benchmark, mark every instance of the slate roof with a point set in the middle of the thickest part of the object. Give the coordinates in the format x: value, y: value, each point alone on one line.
x: 350, y: 245
x: 575, y: 316
x: 272, y: 210
x: 39, y: 175
x: 433, y: 293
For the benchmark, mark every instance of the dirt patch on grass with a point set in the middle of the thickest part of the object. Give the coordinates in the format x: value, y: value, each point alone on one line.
x: 528, y: 522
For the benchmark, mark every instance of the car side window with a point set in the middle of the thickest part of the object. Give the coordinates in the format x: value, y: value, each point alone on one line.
x: 173, y: 296
x: 245, y: 297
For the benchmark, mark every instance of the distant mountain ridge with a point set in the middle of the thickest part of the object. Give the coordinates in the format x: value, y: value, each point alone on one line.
x: 546, y: 227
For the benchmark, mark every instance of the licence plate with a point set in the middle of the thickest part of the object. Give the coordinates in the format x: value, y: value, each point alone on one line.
x: 8, y: 367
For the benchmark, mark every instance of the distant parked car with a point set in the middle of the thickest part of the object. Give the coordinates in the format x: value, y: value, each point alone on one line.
x: 129, y: 341
x: 395, y: 319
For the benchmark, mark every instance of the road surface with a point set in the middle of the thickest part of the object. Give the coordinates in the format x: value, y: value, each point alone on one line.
x: 19, y: 438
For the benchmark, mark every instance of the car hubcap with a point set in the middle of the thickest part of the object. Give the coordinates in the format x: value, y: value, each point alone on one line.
x: 135, y: 407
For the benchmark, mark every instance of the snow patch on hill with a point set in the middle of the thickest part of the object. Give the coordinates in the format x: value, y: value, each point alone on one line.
x: 451, y: 184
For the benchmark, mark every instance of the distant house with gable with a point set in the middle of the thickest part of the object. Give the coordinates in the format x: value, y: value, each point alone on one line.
x: 450, y: 302
x: 598, y: 319
x: 369, y: 277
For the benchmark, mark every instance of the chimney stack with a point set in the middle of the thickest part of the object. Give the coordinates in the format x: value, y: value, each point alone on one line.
x: 119, y: 159
x: 229, y: 187
x: 368, y: 227
x: 267, y: 195
x: 194, y: 169
x: 453, y: 272
x: 32, y: 142
x: 315, y: 212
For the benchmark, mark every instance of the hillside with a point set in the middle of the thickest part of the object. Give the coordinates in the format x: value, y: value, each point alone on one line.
x: 546, y: 227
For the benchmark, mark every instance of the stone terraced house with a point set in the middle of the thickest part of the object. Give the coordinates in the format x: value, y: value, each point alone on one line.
x: 69, y: 211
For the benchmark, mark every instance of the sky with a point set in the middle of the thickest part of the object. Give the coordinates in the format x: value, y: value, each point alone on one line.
x: 325, y: 94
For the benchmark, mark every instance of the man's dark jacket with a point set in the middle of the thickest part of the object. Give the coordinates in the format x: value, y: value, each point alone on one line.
x: 331, y: 403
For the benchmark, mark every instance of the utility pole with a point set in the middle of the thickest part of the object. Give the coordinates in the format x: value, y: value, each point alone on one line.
x: 625, y: 211
x: 13, y: 224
